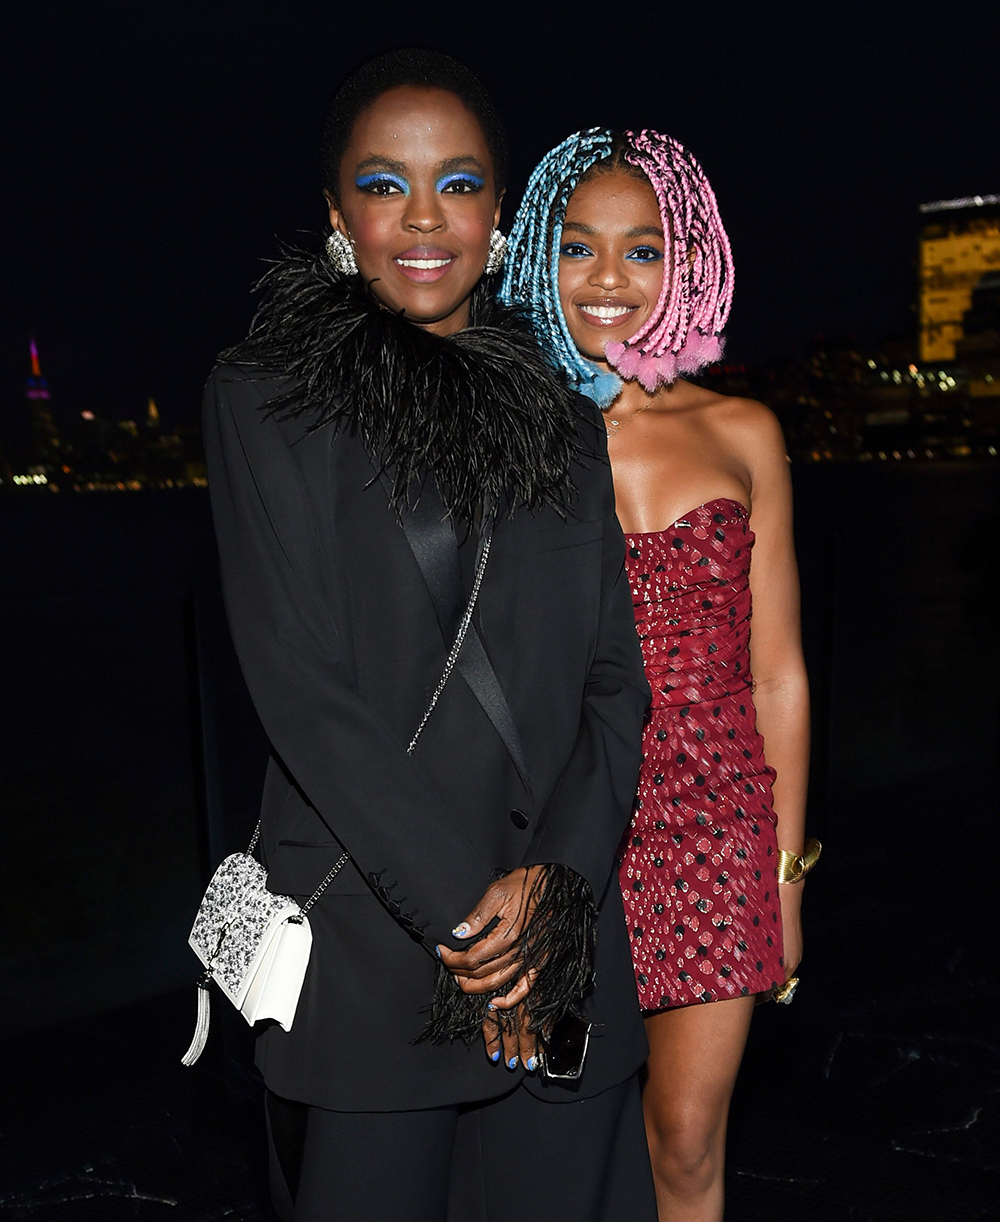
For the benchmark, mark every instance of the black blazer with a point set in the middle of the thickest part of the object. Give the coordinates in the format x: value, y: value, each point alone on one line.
x: 341, y: 647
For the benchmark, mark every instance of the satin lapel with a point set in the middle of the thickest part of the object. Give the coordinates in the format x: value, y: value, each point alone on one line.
x: 478, y: 672
x: 432, y: 540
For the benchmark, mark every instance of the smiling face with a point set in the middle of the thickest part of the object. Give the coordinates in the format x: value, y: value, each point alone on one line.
x: 611, y: 260
x: 417, y: 198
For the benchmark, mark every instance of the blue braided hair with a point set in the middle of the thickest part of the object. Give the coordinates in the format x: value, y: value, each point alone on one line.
x: 684, y: 332
x: 531, y: 267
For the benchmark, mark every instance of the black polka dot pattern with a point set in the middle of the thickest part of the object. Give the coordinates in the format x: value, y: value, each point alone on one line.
x: 698, y: 867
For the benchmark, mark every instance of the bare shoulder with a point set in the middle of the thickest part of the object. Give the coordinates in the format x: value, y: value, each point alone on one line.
x: 726, y: 411
x: 755, y: 422
x: 747, y: 428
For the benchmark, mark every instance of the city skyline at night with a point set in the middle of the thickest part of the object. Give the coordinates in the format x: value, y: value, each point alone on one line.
x: 91, y: 453
x: 932, y: 394
x: 158, y: 170
x: 161, y: 171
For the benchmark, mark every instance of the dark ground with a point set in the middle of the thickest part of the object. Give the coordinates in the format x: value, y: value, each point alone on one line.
x: 873, y: 1098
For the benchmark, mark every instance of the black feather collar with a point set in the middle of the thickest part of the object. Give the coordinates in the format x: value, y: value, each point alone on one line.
x: 481, y: 409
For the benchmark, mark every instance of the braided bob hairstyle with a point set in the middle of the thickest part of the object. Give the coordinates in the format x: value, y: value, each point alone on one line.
x: 684, y: 332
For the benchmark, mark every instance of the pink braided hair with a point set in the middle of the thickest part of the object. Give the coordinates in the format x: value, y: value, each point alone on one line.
x: 684, y: 332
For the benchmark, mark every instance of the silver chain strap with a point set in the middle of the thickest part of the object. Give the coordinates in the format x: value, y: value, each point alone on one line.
x: 449, y: 666
x: 346, y: 857
x: 343, y: 860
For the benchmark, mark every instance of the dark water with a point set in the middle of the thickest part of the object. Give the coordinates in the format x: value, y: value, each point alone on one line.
x: 900, y: 614
x: 875, y: 1095
x: 117, y: 669
x: 133, y: 760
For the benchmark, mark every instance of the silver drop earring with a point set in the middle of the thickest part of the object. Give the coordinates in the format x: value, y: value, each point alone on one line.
x: 498, y: 249
x: 340, y: 252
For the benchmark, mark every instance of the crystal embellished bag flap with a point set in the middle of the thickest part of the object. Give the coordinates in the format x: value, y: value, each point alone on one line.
x: 254, y: 945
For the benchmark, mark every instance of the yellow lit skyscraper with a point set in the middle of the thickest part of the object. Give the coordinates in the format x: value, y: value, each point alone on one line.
x: 959, y: 242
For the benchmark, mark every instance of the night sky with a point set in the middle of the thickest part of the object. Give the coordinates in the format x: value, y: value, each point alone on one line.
x: 159, y: 148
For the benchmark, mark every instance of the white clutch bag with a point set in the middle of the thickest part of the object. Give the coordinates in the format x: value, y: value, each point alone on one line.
x: 253, y: 944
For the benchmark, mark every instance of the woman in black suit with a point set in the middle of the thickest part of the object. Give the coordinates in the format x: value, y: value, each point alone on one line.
x: 387, y: 450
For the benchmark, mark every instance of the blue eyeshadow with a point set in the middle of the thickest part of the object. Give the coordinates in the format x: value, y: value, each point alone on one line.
x: 366, y: 180
x: 465, y: 176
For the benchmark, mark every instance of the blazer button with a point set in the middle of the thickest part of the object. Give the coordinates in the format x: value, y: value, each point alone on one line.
x: 519, y: 819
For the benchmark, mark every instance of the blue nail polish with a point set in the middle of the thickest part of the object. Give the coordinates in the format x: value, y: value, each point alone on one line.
x: 490, y: 1005
x: 494, y: 1057
x: 437, y: 951
x: 531, y: 1064
x: 512, y: 1063
x: 461, y: 931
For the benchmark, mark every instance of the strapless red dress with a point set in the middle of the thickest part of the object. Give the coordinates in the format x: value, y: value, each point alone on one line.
x: 698, y: 870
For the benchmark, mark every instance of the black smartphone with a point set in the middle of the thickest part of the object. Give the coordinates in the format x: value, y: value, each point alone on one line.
x: 566, y: 1048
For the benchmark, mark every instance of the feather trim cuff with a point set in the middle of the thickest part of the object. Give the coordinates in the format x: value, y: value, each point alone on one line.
x: 557, y: 943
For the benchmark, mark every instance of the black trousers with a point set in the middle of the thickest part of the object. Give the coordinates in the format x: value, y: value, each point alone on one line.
x: 512, y: 1159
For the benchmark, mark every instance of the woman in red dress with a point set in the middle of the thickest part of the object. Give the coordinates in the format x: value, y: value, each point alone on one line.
x: 619, y: 250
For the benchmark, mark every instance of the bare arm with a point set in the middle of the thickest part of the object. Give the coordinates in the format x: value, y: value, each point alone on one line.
x: 781, y: 692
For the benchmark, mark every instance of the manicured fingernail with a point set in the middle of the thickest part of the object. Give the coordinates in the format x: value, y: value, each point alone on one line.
x: 494, y: 1057
x: 531, y: 1064
x: 490, y: 1005
x: 462, y: 931
x: 512, y: 1063
x: 437, y: 951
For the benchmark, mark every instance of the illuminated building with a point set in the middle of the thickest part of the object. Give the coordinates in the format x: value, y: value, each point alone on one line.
x: 959, y: 245
x: 37, y: 394
x: 37, y: 387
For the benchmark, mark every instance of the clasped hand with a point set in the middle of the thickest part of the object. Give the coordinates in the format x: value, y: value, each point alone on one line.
x: 495, y: 961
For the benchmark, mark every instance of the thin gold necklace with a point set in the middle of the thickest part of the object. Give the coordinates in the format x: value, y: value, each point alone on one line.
x: 614, y: 427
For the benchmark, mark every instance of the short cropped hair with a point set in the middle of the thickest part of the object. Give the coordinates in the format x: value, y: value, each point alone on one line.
x: 411, y: 66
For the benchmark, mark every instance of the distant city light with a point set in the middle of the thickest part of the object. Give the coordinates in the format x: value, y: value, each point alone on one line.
x: 967, y: 201
x: 86, y: 415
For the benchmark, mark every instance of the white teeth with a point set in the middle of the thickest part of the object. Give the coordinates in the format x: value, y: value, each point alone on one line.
x: 607, y: 311
x: 423, y: 264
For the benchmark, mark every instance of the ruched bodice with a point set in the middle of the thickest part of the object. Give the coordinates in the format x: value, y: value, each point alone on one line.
x: 691, y: 590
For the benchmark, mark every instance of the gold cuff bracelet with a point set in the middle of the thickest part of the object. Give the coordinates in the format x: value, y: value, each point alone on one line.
x: 792, y: 868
